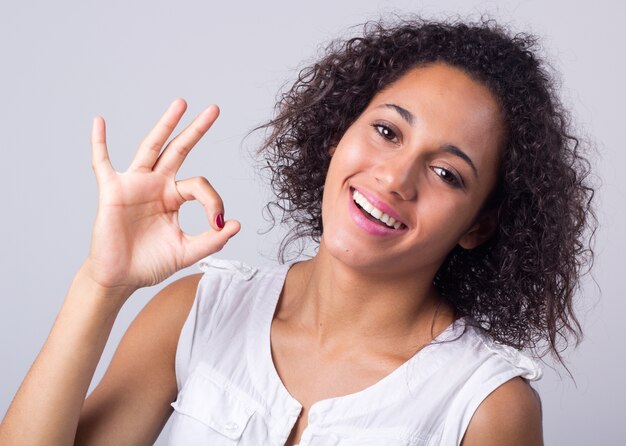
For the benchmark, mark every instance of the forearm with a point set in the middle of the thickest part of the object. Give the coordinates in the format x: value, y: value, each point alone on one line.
x: 46, y: 408
x: 139, y: 204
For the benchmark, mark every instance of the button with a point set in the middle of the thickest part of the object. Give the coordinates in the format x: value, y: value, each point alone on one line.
x: 231, y: 426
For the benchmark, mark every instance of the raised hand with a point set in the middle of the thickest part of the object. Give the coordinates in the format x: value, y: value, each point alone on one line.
x: 137, y: 240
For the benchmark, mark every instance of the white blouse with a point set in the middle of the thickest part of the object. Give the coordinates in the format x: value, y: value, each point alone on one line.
x: 230, y: 392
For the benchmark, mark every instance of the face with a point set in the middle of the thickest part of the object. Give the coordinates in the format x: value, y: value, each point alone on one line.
x: 407, y: 180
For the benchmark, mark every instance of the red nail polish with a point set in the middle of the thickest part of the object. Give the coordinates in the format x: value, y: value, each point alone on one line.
x: 220, y: 221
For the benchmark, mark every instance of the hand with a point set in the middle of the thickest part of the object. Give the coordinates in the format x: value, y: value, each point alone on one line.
x: 137, y: 240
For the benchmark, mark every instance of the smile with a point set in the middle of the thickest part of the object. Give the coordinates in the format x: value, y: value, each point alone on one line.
x: 379, y: 215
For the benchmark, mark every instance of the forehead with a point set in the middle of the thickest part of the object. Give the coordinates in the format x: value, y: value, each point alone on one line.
x: 450, y: 104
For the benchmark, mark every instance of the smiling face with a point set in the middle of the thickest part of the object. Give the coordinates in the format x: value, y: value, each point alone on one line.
x: 423, y: 158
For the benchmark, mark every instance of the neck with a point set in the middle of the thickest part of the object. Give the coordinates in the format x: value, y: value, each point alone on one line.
x: 341, y: 305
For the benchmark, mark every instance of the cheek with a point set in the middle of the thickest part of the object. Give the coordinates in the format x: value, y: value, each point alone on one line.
x: 443, y: 221
x: 346, y: 162
x: 355, y: 152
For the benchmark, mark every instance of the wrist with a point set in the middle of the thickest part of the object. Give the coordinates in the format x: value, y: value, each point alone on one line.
x: 86, y: 278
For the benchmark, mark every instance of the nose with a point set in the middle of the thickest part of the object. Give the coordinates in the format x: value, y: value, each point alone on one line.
x: 398, y: 176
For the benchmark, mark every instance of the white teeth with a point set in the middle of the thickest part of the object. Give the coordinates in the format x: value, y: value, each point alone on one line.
x: 375, y: 212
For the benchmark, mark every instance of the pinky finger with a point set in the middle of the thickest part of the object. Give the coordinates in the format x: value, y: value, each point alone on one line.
x: 99, y: 154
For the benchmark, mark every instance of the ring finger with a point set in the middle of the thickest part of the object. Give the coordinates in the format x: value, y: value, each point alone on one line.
x: 176, y: 151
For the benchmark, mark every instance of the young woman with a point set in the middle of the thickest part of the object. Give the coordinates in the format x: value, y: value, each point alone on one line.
x: 433, y: 164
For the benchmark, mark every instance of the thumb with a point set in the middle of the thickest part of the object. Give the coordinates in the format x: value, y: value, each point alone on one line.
x: 199, y: 246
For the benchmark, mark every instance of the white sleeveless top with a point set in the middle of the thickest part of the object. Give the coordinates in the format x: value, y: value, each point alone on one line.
x: 230, y: 392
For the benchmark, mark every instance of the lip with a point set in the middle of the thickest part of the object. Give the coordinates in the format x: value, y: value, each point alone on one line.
x: 368, y: 225
x: 378, y: 203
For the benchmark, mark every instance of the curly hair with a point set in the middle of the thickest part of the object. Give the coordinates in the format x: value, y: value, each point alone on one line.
x: 519, y: 286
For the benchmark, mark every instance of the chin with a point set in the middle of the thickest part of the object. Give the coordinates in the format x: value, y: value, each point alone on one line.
x: 353, y: 254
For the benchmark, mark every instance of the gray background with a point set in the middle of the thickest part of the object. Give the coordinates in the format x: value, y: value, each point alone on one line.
x: 64, y: 62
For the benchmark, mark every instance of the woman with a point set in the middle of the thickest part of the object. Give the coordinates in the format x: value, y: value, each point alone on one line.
x: 433, y: 163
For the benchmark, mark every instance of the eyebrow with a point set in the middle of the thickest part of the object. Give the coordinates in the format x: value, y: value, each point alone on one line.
x: 454, y: 150
x: 403, y: 112
x: 448, y: 148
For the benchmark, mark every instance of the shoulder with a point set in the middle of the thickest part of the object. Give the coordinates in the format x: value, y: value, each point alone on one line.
x: 183, y: 289
x: 150, y: 341
x: 510, y: 415
x: 136, y: 391
x: 228, y: 286
x: 164, y: 316
x: 176, y: 298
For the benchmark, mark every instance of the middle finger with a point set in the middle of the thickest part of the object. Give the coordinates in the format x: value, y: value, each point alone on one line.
x: 176, y: 151
x: 151, y: 146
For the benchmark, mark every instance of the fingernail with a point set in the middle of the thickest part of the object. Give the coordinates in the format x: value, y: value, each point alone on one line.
x: 219, y: 221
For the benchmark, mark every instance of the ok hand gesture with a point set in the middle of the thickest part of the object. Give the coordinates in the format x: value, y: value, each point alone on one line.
x: 137, y: 240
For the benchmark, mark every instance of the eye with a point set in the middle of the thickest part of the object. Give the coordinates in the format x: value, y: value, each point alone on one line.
x: 386, y: 132
x: 448, y: 177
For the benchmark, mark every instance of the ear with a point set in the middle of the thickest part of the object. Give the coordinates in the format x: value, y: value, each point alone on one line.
x: 481, y: 231
x: 331, y: 150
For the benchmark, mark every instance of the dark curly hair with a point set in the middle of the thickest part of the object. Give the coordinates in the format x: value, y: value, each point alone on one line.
x: 518, y: 286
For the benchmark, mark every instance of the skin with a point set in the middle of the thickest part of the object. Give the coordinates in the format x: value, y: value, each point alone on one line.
x: 366, y: 303
x: 136, y: 242
x: 363, y: 306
